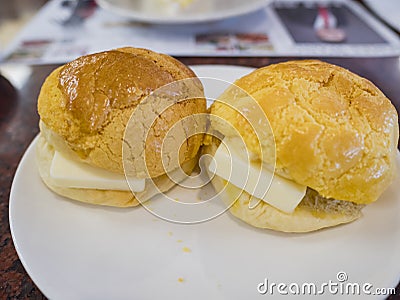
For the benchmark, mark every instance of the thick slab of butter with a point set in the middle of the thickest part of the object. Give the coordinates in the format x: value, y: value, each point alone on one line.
x: 233, y: 166
x: 74, y: 174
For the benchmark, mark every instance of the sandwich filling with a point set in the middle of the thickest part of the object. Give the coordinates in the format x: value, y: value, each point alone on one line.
x: 231, y: 163
x: 70, y: 173
x: 75, y: 174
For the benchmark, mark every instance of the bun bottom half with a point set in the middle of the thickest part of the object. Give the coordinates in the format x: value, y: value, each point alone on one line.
x: 44, y: 156
x: 314, y: 212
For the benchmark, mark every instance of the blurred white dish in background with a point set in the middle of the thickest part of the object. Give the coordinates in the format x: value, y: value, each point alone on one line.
x: 181, y: 11
x: 174, y: 7
x: 388, y: 10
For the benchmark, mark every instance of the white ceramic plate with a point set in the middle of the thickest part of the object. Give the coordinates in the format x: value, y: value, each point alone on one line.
x: 170, y: 12
x: 78, y: 251
x: 388, y: 10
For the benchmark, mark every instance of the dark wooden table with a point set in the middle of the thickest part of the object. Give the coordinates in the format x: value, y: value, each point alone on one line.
x: 19, y: 125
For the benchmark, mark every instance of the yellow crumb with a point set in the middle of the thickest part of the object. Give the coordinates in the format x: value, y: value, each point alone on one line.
x: 170, y: 233
x: 179, y: 241
x: 180, y: 279
x: 186, y: 249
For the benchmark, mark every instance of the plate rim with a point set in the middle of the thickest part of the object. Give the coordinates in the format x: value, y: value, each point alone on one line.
x: 11, y: 209
x: 31, y: 148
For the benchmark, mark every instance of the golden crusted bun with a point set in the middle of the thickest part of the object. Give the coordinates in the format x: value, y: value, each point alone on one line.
x: 44, y: 157
x: 313, y: 212
x: 335, y: 132
x: 88, y: 102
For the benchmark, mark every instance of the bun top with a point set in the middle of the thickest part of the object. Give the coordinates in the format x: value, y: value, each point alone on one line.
x: 334, y: 131
x: 89, y: 101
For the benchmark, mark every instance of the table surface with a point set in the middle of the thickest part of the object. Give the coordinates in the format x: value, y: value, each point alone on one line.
x: 19, y: 125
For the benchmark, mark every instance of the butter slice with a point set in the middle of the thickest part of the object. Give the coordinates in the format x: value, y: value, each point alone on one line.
x: 256, y: 180
x: 74, y: 174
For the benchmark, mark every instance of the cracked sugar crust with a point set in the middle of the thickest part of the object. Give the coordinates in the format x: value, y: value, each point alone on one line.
x: 335, y: 132
x: 91, y: 114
